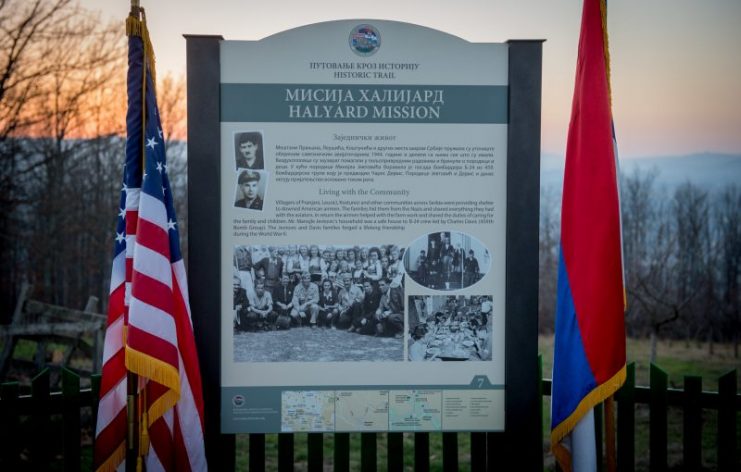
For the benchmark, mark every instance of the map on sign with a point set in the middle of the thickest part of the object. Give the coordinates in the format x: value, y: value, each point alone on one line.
x: 307, y: 411
x: 415, y: 410
x: 358, y: 410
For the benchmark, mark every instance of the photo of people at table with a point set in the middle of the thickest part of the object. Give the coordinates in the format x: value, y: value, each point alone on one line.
x: 447, y: 260
x: 449, y: 328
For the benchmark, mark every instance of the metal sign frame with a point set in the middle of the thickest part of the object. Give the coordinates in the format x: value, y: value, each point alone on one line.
x: 522, y: 437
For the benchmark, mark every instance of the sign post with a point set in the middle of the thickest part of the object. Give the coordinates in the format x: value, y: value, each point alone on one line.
x: 363, y: 230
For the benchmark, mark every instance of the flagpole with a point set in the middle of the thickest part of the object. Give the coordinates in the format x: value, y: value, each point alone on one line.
x: 132, y: 380
x: 132, y: 410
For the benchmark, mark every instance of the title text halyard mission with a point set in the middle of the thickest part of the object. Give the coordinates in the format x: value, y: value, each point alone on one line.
x: 413, y: 104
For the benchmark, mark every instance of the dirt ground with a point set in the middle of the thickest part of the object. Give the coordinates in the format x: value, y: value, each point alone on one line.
x: 314, y: 345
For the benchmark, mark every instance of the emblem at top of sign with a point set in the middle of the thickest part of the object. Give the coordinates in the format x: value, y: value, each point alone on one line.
x: 365, y: 40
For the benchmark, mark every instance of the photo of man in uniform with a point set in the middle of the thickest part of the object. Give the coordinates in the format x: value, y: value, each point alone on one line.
x: 248, y: 152
x: 247, y: 191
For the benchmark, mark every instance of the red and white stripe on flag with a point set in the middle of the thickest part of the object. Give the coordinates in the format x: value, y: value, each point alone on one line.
x: 149, y: 331
x: 111, y: 427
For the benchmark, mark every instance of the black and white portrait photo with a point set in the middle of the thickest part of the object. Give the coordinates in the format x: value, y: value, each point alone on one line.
x: 248, y: 150
x: 450, y: 328
x: 447, y: 260
x: 250, y: 189
x: 318, y: 303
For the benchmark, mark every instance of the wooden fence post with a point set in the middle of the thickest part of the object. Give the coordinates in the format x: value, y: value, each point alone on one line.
x: 727, y: 421
x: 71, y: 415
x: 368, y: 461
x: 692, y: 423
x: 478, y: 452
x: 95, y: 398
x: 450, y: 451
x: 341, y: 452
x: 315, y: 446
x: 41, y: 446
x: 10, y: 421
x: 395, y: 456
x: 257, y: 453
x: 657, y: 419
x: 285, y: 451
x: 626, y: 421
x: 421, y: 452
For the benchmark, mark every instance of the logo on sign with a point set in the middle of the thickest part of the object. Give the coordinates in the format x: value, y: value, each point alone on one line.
x: 365, y: 40
x: 238, y: 400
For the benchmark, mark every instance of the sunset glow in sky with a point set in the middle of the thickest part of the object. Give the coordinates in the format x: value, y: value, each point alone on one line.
x: 676, y: 66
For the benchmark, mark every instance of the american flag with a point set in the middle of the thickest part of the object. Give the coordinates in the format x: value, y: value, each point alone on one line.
x: 149, y: 330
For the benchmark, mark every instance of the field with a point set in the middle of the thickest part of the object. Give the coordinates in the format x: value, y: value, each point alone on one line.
x: 676, y: 358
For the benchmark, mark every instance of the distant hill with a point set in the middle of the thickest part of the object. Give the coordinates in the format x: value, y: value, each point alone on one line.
x: 710, y: 171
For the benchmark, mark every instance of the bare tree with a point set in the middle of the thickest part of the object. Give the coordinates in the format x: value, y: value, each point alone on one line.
x: 694, y: 268
x: 171, y: 102
x: 666, y: 247
x: 21, y: 67
x: 548, y: 253
x: 88, y: 59
x: 638, y: 203
x: 57, y: 63
x: 728, y: 218
x: 651, y: 289
x: 24, y: 29
x: 639, y: 208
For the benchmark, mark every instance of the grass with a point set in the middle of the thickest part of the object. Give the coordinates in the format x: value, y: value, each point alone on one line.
x: 25, y: 351
x: 677, y: 358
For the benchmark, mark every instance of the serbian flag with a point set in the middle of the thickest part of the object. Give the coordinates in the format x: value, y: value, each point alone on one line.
x: 149, y: 331
x: 589, y: 352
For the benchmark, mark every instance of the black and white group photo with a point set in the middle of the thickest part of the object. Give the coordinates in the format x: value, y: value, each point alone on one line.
x: 309, y: 302
x: 450, y: 328
x: 447, y: 260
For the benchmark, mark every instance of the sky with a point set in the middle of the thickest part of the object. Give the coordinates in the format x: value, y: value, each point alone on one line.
x: 676, y: 66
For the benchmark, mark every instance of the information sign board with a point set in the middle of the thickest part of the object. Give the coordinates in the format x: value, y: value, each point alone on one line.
x: 363, y: 216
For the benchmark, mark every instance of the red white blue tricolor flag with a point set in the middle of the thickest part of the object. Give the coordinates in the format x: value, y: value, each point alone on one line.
x: 589, y: 353
x: 149, y: 331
